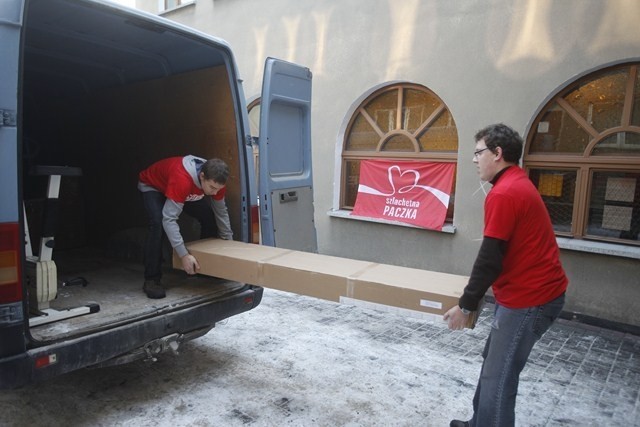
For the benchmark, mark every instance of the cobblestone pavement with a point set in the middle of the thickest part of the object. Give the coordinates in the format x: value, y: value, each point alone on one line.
x: 305, y: 362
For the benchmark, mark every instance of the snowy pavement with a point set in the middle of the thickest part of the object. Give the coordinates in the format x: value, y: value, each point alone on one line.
x: 301, y: 361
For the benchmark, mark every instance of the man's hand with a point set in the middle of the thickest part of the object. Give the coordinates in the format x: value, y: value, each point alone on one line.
x: 455, y: 318
x: 190, y: 264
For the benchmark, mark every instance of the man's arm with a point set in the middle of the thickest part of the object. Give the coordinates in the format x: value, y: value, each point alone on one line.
x: 486, y: 269
x: 170, y: 213
x: 222, y: 219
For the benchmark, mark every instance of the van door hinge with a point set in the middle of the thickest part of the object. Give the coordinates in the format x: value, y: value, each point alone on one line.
x: 7, y: 118
x: 252, y: 141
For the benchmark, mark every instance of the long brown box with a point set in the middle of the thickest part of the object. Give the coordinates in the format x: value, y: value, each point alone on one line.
x: 328, y: 277
x: 231, y: 260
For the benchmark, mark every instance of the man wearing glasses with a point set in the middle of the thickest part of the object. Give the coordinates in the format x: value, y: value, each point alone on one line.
x: 519, y: 260
x: 169, y: 186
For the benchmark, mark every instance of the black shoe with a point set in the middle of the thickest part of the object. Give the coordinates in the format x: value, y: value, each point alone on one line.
x: 458, y: 423
x: 154, y: 289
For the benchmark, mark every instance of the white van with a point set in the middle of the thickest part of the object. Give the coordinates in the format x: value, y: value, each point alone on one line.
x: 91, y: 93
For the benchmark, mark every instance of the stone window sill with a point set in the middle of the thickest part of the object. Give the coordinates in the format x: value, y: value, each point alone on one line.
x: 340, y: 213
x: 599, y: 247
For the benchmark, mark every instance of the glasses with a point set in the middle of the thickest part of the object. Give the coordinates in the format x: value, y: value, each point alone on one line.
x: 477, y: 152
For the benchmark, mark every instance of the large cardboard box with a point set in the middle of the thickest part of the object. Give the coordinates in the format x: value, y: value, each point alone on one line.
x: 411, y: 288
x: 230, y: 260
x: 328, y: 277
x: 310, y: 274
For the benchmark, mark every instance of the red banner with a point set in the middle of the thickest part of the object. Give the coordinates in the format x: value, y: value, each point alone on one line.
x: 411, y: 192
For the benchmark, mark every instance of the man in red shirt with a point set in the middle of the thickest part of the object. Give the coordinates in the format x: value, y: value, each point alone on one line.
x: 169, y: 186
x: 518, y: 258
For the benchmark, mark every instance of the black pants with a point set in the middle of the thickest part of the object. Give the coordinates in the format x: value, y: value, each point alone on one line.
x: 153, y: 204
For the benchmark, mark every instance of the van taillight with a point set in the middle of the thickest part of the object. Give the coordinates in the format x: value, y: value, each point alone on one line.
x: 10, y: 280
x: 46, y: 360
x: 255, y: 224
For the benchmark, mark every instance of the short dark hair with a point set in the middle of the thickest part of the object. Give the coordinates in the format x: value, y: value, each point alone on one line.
x: 501, y: 135
x: 216, y: 170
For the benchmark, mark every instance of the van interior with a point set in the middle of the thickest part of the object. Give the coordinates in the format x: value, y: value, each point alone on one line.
x: 103, y: 95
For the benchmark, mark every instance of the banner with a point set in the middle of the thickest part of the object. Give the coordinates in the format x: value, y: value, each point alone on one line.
x: 415, y: 193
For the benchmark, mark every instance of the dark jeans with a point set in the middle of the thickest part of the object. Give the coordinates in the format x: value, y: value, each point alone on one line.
x: 153, y: 204
x: 513, y: 334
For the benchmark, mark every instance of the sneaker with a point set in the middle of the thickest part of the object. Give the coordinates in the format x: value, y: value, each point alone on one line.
x: 458, y: 423
x: 154, y: 289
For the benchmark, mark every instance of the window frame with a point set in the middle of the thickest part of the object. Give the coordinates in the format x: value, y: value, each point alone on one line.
x: 586, y: 163
x: 385, y: 137
x: 164, y: 6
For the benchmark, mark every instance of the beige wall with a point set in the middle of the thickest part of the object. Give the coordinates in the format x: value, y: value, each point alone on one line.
x: 488, y: 60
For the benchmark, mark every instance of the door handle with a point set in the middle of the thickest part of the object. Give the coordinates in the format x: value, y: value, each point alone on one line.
x: 289, y: 196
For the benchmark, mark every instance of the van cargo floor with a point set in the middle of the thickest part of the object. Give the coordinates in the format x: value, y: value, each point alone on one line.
x: 116, y: 286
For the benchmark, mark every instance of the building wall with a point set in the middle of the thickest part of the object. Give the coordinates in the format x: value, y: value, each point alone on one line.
x: 488, y: 60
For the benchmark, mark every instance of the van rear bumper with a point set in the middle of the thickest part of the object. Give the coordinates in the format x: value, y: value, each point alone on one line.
x: 73, y: 354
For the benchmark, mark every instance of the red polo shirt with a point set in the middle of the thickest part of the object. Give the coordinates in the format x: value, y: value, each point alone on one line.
x: 171, y: 178
x: 531, y: 270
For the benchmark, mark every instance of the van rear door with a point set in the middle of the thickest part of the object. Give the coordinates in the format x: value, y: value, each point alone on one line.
x: 286, y: 179
x: 10, y: 23
x: 11, y: 242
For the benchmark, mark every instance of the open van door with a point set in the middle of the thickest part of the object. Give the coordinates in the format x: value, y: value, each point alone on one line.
x: 12, y: 340
x: 286, y: 179
x: 10, y: 23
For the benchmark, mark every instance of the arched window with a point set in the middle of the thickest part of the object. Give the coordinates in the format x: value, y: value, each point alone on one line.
x: 583, y: 153
x: 401, y: 121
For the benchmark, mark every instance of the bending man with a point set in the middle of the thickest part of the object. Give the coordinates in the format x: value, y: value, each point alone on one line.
x: 169, y: 186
